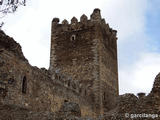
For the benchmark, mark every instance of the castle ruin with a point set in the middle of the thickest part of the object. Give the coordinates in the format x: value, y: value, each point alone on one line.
x: 83, y: 69
x: 87, y: 51
x: 82, y: 80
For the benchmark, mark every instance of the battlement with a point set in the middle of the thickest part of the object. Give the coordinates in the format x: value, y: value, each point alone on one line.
x: 84, y: 23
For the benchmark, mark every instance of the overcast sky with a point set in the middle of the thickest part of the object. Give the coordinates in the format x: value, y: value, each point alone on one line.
x: 137, y: 23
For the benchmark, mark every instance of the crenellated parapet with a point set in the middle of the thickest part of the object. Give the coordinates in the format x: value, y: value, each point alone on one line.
x: 71, y: 29
x: 84, y: 19
x: 96, y: 15
x: 84, y: 23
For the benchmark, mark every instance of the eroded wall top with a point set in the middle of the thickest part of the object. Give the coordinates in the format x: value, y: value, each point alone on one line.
x: 9, y: 44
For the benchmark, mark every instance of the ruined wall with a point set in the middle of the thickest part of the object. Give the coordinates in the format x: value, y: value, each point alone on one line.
x: 21, y: 83
x: 87, y: 51
x: 27, y: 92
x: 140, y: 107
x: 32, y: 88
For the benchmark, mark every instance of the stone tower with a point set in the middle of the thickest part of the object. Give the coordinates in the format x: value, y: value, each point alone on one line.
x: 87, y: 51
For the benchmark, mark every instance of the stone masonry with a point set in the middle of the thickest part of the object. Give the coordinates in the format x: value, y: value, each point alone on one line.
x: 87, y: 51
x: 32, y: 88
x: 82, y: 80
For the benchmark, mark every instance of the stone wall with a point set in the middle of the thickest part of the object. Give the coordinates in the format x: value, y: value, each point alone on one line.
x: 30, y: 93
x: 32, y: 88
x: 108, y: 67
x: 140, y: 107
x: 128, y: 105
x: 87, y: 51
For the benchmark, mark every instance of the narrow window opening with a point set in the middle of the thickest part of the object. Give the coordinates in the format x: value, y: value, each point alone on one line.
x: 73, y: 38
x: 24, y: 85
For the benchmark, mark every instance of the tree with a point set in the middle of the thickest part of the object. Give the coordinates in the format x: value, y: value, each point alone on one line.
x: 10, y: 6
